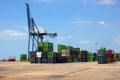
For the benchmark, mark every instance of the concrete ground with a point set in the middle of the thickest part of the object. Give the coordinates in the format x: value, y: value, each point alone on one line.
x: 63, y: 71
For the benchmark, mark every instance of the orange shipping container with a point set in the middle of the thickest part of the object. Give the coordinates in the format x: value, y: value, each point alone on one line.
x: 79, y: 56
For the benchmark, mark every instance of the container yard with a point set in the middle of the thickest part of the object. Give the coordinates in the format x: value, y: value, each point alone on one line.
x: 67, y: 57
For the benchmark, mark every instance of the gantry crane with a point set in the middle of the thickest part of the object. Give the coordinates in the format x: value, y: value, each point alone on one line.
x: 34, y: 33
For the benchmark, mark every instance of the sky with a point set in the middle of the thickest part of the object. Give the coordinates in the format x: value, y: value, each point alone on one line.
x: 87, y: 24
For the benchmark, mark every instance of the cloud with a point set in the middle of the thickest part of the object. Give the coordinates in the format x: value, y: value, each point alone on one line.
x: 103, y: 23
x: 26, y: 28
x: 86, y: 42
x: 60, y: 38
x: 64, y: 38
x: 78, y: 21
x: 117, y: 40
x: 44, y: 0
x: 12, y: 34
x: 85, y: 1
x: 106, y: 2
x: 69, y: 36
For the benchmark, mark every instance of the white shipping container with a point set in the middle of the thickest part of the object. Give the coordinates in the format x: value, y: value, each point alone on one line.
x: 38, y: 54
x: 65, y: 52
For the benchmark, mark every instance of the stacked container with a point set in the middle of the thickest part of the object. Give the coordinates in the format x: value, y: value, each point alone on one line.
x: 101, y: 56
x: 90, y: 57
x: 75, y: 53
x: 118, y: 56
x: 94, y: 56
x: 40, y: 46
x: 66, y: 55
x: 51, y: 57
x: 79, y: 57
x: 110, y: 56
x: 60, y: 47
x: 84, y: 56
x: 44, y: 57
x: 38, y: 58
x: 32, y: 57
x: 23, y: 57
x: 45, y: 46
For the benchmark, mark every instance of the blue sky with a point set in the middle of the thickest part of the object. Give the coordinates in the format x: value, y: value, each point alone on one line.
x: 79, y: 23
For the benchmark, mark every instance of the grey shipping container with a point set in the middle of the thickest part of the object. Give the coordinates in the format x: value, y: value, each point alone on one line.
x: 44, y: 60
x: 32, y: 57
x: 38, y: 60
x: 51, y: 60
x: 101, y: 53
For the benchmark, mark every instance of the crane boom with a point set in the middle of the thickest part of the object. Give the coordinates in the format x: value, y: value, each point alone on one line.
x: 28, y: 19
x: 34, y: 33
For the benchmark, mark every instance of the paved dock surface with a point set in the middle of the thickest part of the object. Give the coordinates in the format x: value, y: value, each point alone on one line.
x: 63, y: 71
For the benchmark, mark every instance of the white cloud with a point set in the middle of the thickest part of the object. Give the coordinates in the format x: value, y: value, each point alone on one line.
x: 106, y: 2
x: 26, y: 28
x: 12, y: 34
x: 86, y: 42
x: 64, y: 38
x: 85, y: 1
x: 117, y: 40
x: 60, y: 38
x: 78, y: 21
x: 44, y: 0
x: 103, y: 23
x: 69, y: 36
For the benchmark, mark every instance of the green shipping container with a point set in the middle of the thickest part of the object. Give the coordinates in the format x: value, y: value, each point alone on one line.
x: 115, y: 56
x: 51, y: 54
x: 48, y: 49
x: 76, y: 49
x: 60, y: 47
x: 103, y: 48
x: 90, y: 59
x: 69, y: 47
x: 45, y: 44
x: 40, y: 44
x: 59, y: 51
x: 48, y: 44
x: 70, y: 59
x: 23, y: 57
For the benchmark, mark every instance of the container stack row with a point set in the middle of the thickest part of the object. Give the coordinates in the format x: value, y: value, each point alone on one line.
x: 67, y: 54
x: 105, y: 56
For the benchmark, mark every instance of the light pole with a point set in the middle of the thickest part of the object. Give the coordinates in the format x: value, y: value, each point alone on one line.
x: 96, y: 46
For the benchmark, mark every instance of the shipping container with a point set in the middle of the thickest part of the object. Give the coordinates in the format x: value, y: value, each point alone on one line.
x: 65, y: 52
x: 69, y: 48
x: 84, y: 56
x: 44, y: 60
x: 101, y: 53
x: 44, y: 55
x: 110, y: 56
x: 94, y: 56
x: 52, y: 60
x: 76, y: 49
x: 101, y: 60
x: 32, y: 57
x: 38, y: 60
x: 103, y: 48
x: 23, y: 57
